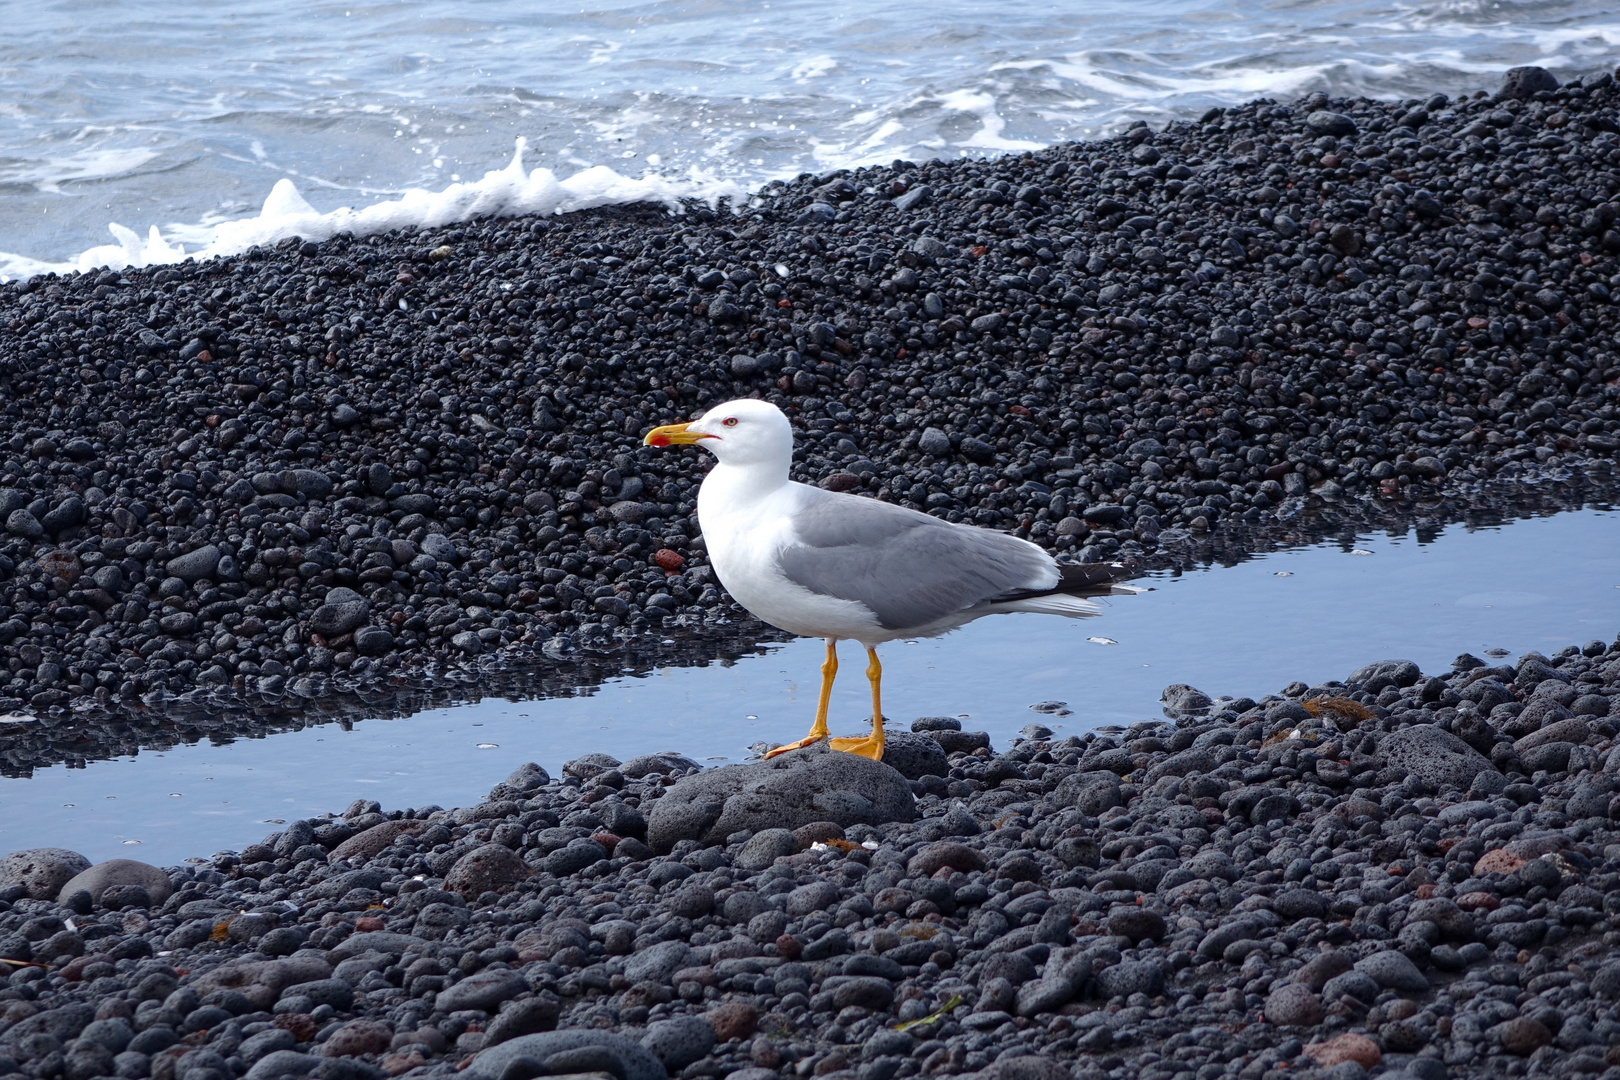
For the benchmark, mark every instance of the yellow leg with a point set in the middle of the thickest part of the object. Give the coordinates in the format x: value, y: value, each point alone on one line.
x: 818, y: 730
x: 872, y: 745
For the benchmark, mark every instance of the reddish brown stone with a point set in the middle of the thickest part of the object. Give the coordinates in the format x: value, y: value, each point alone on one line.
x: 1477, y: 901
x: 763, y: 1052
x: 375, y: 839
x: 1347, y: 1047
x: 945, y: 853
x: 833, y: 1062
x: 302, y: 1025
x: 358, y: 1037
x: 73, y: 971
x: 733, y: 1020
x: 1522, y: 1035
x: 1500, y: 861
x: 402, y: 1062
x: 817, y: 832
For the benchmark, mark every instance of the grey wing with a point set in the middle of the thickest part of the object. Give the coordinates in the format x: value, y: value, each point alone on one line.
x: 910, y: 569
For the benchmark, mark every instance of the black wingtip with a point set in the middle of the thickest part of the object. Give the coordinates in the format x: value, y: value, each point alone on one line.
x: 1082, y: 579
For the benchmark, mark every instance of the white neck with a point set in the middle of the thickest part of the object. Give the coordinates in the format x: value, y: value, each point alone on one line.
x: 732, y: 488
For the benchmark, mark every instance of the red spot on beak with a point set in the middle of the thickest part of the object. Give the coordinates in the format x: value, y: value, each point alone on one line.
x: 658, y: 440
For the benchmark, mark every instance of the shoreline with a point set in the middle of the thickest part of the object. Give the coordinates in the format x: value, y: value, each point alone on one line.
x: 1335, y: 873
x: 354, y: 458
x: 89, y: 734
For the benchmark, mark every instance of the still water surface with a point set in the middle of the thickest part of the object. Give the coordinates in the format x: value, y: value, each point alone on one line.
x: 1313, y: 614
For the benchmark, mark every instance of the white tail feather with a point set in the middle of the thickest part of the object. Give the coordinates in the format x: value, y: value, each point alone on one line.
x: 1073, y: 607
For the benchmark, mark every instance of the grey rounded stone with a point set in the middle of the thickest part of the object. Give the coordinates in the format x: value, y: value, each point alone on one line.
x: 1025, y: 1067
x: 1091, y: 793
x: 934, y: 442
x: 1358, y: 984
x: 767, y: 926
x: 116, y: 873
x: 1323, y: 122
x: 658, y: 962
x: 334, y: 992
x: 491, y: 867
x: 441, y: 547
x: 1293, y: 1004
x: 343, y: 611
x: 1131, y: 977
x: 527, y: 1055
x: 283, y: 1063
x: 524, y: 1017
x: 575, y: 857
x: 914, y: 756
x: 864, y: 991
x: 741, y: 907
x: 23, y: 524
x: 1299, y: 904
x: 1384, y: 672
x: 1551, y: 757
x: 1179, y: 699
x: 1138, y: 924
x: 1393, y: 971
x: 42, y: 871
x: 1521, y: 83
x: 484, y: 990
x: 195, y: 565
x: 373, y: 641
x: 113, y: 1034
x: 764, y: 848
x: 679, y: 1041
x: 797, y: 788
x: 1433, y: 755
x: 692, y: 900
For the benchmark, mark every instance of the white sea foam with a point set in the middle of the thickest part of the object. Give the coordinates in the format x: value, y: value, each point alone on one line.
x: 982, y: 104
x: 508, y: 192
x: 813, y: 67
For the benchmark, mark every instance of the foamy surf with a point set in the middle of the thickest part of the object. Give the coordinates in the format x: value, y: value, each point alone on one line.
x: 512, y: 191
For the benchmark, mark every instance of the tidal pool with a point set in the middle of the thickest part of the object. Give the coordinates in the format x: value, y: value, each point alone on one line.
x: 1312, y: 613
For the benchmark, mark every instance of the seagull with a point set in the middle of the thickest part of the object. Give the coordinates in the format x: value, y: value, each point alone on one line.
x: 845, y: 567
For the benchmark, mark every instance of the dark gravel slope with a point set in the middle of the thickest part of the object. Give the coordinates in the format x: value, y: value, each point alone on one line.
x: 1107, y: 347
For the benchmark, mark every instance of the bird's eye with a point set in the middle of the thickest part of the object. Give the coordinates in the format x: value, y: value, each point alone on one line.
x: 730, y: 421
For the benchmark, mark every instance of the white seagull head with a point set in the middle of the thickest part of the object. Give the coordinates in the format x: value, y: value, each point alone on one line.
x: 744, y: 432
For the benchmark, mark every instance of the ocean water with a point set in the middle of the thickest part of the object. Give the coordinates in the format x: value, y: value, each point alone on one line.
x: 142, y: 132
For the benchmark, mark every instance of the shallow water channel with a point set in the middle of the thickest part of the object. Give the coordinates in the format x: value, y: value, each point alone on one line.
x: 1313, y: 613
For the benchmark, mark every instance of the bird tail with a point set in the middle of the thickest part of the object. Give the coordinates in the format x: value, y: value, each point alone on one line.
x: 1077, y: 583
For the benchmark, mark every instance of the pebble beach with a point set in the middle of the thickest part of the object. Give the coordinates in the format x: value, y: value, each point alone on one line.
x: 372, y: 468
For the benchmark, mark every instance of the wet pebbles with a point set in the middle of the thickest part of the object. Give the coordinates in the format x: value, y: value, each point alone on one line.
x: 1251, y: 888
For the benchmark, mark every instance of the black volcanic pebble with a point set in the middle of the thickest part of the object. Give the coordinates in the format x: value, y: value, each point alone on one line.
x: 1200, y: 336
x: 1455, y: 932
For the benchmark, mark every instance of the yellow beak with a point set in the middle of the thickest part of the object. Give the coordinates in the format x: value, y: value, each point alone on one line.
x: 673, y: 435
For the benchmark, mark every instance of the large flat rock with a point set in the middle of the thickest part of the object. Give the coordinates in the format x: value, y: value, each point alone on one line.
x: 797, y: 788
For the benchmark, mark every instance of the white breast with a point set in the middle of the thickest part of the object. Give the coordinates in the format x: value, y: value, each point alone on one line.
x: 744, y: 535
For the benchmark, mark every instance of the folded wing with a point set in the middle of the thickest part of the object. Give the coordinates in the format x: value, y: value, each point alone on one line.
x: 909, y: 569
